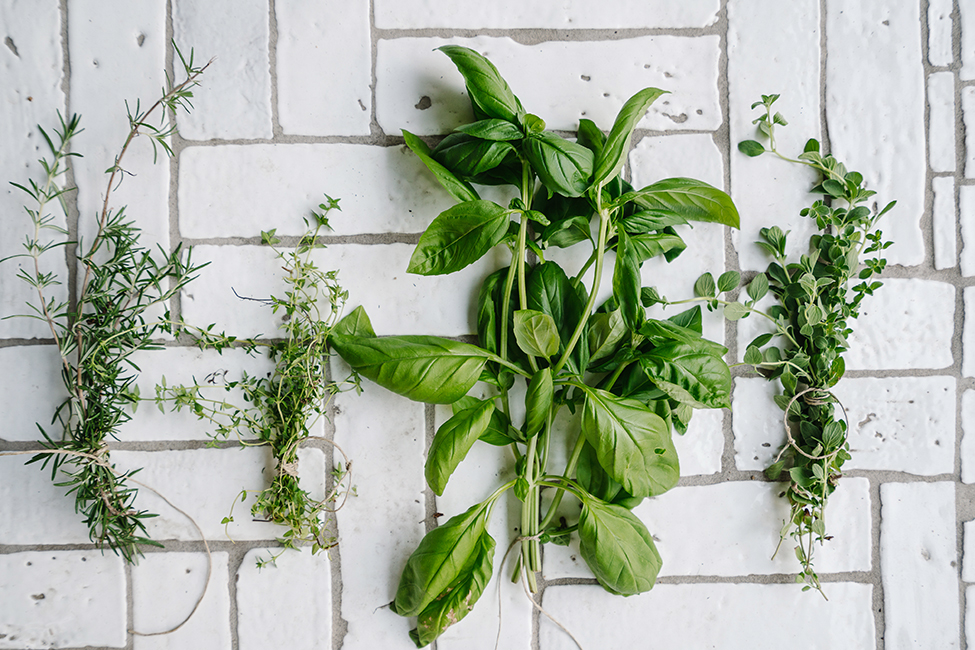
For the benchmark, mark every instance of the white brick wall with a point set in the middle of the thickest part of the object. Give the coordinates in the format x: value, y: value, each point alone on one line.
x: 306, y: 98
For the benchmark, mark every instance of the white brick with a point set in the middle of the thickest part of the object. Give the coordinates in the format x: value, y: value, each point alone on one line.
x: 966, y: 200
x: 30, y: 391
x: 288, y: 604
x: 875, y: 109
x: 903, y: 424
x: 382, y: 189
x: 772, y: 47
x: 906, y: 324
x: 968, y: 335
x: 700, y: 449
x: 29, y: 95
x: 967, y: 451
x: 573, y: 14
x: 968, y: 553
x: 166, y: 587
x: 234, y: 98
x: 385, y: 436
x: 186, y: 479
x: 375, y: 277
x: 939, y: 32
x: 967, y: 19
x: 943, y: 227
x: 941, y: 121
x: 62, y: 599
x: 118, y: 54
x: 968, y: 114
x: 917, y: 561
x: 332, y: 39
x: 727, y: 616
x: 34, y: 510
x: 583, y: 79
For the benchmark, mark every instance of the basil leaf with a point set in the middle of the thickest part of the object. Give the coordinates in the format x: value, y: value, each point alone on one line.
x: 459, y: 597
x: 590, y: 136
x: 611, y: 158
x: 691, y: 199
x: 647, y: 221
x: 536, y: 333
x: 354, y: 324
x: 593, y: 478
x: 633, y: 445
x: 551, y: 292
x: 468, y: 156
x: 569, y: 232
x: 492, y: 129
x: 618, y: 548
x: 538, y: 401
x: 487, y: 310
x: 562, y: 166
x: 458, y: 237
x: 457, y: 188
x: 689, y: 375
x: 691, y: 320
x: 664, y: 331
x: 423, y: 368
x: 626, y: 283
x: 441, y: 559
x: 606, y: 331
x: 647, y: 246
x: 453, y: 440
x: 489, y: 92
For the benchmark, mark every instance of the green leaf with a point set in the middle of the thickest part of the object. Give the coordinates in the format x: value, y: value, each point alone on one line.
x: 705, y: 287
x: 453, y: 440
x: 354, y: 324
x: 538, y: 401
x: 469, y: 156
x: 648, y: 246
x: 457, y: 188
x: 691, y: 199
x: 551, y: 292
x: 632, y: 443
x: 689, y: 375
x: 593, y: 478
x: 458, y: 237
x: 662, y: 332
x: 489, y: 92
x: 626, y: 284
x: 735, y: 311
x: 487, y: 310
x: 422, y: 368
x: 590, y: 136
x: 728, y: 281
x: 753, y: 356
x: 567, y: 232
x: 492, y: 129
x: 618, y: 548
x: 751, y: 148
x: 606, y: 331
x: 536, y: 333
x: 758, y: 287
x: 443, y: 556
x: 617, y: 145
x: 458, y: 599
x: 647, y: 221
x: 562, y: 166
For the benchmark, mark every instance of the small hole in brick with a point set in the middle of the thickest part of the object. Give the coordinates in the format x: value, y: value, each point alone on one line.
x: 38, y: 596
x: 424, y: 103
x: 586, y: 77
x: 9, y: 42
x: 140, y: 39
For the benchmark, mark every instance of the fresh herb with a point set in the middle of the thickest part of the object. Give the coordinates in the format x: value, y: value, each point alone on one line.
x: 630, y: 379
x: 284, y: 405
x: 121, y: 308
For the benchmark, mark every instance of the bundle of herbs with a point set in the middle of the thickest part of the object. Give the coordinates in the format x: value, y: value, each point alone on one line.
x: 630, y: 379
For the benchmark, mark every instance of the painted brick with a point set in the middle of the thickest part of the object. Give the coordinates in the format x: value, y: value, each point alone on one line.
x: 888, y: 85
x: 575, y: 14
x: 917, y: 561
x: 727, y: 616
x: 62, y: 599
x: 966, y: 210
x: 30, y: 391
x: 907, y: 324
x: 735, y: 531
x: 268, y: 613
x: 375, y: 277
x: 584, y: 79
x: 166, y: 586
x: 332, y: 39
x: 34, y: 510
x: 119, y: 54
x: 967, y: 20
x: 968, y: 335
x: 30, y: 94
x: 941, y: 121
x: 185, y: 478
x: 968, y: 554
x: 904, y: 424
x: 234, y: 98
x: 784, y: 59
x: 943, y: 228
x: 382, y: 189
x: 939, y: 32
x: 968, y: 114
x: 380, y: 527
x: 967, y: 451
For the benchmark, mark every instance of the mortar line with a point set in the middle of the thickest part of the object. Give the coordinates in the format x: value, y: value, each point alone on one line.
x: 272, y: 62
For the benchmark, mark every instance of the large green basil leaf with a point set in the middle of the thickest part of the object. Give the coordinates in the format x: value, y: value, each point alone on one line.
x: 499, y: 431
x: 626, y: 283
x: 569, y: 219
x: 458, y: 237
x: 538, y: 401
x: 459, y: 189
x: 489, y: 92
x: 618, y: 548
x: 647, y: 221
x: 606, y: 332
x: 422, y: 368
x: 666, y: 331
x: 459, y: 597
x: 492, y: 129
x: 590, y: 136
x: 356, y: 323
x: 647, y: 246
x: 692, y: 199
x: 487, y: 310
x: 593, y: 478
x: 632, y: 443
x: 441, y: 559
x: 613, y: 153
x: 468, y: 156
x: 689, y: 375
x: 562, y: 166
x: 536, y: 333
x: 551, y: 292
x: 691, y: 319
x: 453, y: 440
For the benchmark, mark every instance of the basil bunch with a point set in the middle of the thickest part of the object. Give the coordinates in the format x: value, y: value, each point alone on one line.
x: 632, y: 379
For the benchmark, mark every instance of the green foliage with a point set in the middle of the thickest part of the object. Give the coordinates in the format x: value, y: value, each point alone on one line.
x: 629, y: 379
